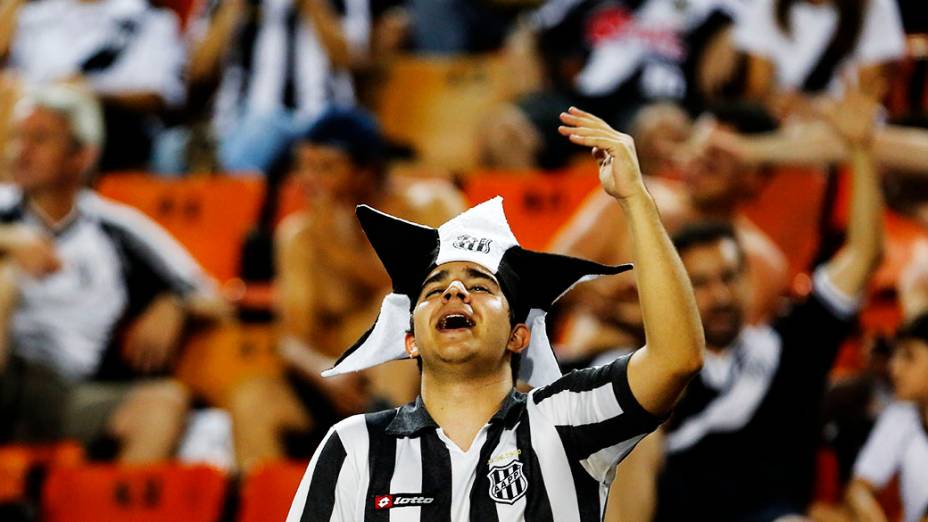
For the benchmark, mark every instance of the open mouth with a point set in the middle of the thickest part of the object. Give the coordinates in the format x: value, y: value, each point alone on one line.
x: 454, y: 321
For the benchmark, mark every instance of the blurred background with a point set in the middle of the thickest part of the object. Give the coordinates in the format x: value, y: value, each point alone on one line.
x: 180, y: 257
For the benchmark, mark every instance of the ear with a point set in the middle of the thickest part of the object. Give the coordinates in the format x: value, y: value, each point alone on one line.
x: 411, y: 350
x: 519, y: 338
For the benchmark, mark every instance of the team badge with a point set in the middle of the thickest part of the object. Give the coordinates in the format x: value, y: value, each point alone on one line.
x: 472, y: 244
x: 507, y: 483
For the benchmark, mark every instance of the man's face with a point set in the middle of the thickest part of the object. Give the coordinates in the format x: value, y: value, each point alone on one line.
x: 461, y: 320
x: 716, y: 272
x: 909, y: 369
x: 44, y: 152
x: 716, y: 178
x: 324, y: 171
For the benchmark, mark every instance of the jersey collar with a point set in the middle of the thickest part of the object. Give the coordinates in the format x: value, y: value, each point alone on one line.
x: 413, y: 417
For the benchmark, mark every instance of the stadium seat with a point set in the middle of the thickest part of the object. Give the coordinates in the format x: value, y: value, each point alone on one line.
x: 134, y: 494
x: 18, y: 460
x: 268, y: 491
x: 210, y: 215
x: 436, y: 104
x: 537, y: 203
x: 215, y: 360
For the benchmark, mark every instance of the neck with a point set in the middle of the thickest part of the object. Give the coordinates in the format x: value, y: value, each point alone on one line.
x: 482, y: 396
x: 54, y: 205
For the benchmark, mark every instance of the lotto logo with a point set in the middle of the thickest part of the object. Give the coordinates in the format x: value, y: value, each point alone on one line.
x: 401, y: 500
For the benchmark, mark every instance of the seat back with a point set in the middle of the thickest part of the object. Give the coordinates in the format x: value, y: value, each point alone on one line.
x: 209, y: 215
x: 268, y: 491
x: 18, y: 460
x: 134, y: 494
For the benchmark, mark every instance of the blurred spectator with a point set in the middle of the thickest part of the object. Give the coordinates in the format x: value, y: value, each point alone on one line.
x: 608, y: 56
x: 330, y: 282
x: 802, y: 47
x: 130, y: 54
x: 715, y: 184
x: 462, y: 26
x: 741, y: 444
x: 277, y: 64
x: 81, y: 275
x: 899, y: 442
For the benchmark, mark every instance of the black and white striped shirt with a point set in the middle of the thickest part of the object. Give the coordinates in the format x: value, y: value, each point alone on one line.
x: 547, y: 455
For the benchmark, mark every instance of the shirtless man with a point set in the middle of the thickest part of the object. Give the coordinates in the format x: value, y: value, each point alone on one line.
x: 330, y: 283
x: 605, y: 313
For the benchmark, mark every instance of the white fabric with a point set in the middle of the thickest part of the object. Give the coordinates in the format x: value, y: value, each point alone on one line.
x: 759, y: 350
x: 842, y: 305
x: 539, y: 366
x: 387, y: 341
x: 53, y: 37
x: 898, y: 444
x: 479, y: 235
x: 317, y: 82
x: 882, y: 38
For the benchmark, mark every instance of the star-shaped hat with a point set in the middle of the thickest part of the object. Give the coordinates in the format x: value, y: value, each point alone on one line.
x: 531, y: 281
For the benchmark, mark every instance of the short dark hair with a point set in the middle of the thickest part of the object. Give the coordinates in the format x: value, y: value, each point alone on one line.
x: 914, y: 329
x: 703, y: 233
x: 352, y: 130
x: 744, y: 117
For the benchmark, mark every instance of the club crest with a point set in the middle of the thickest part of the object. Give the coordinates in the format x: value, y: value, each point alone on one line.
x: 472, y: 244
x: 507, y: 483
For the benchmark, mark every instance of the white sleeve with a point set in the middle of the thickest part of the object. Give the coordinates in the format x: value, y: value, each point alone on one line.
x: 329, y: 488
x: 881, y: 455
x: 756, y: 29
x: 356, y: 25
x: 154, y: 62
x: 882, y: 38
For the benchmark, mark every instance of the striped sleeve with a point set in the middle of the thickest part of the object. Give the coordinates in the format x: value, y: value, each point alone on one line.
x: 329, y: 485
x: 146, y: 243
x: 596, y: 416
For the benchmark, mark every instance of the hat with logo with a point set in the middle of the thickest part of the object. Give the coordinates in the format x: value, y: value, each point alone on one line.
x: 531, y: 281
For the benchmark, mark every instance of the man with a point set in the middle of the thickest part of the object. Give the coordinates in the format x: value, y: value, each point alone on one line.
x: 275, y: 66
x: 472, y: 447
x: 131, y: 54
x: 79, y: 272
x: 330, y: 283
x: 898, y: 444
x: 741, y: 443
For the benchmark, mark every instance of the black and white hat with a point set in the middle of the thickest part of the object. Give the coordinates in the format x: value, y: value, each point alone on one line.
x: 531, y: 281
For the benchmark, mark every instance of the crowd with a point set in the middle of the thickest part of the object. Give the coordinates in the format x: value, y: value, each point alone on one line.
x: 97, y: 300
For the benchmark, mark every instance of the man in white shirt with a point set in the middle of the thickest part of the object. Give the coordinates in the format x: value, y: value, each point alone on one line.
x: 129, y: 53
x: 79, y: 272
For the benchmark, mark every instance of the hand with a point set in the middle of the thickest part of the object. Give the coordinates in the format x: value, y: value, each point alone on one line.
x: 150, y: 341
x: 853, y: 117
x: 33, y: 252
x: 619, y: 172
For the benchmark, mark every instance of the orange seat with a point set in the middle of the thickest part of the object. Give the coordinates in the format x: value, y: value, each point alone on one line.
x: 210, y: 216
x: 134, y: 494
x: 18, y: 460
x: 537, y: 204
x: 437, y: 103
x: 268, y: 491
x: 217, y: 359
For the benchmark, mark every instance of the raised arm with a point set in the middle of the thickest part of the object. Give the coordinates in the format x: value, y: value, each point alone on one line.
x: 8, y: 11
x: 659, y: 372
x: 854, y: 264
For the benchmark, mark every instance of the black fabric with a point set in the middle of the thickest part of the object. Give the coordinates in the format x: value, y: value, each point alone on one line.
x: 720, y: 477
x: 381, y: 460
x: 537, y: 505
x: 482, y: 506
x: 320, y: 501
x: 405, y: 249
x: 436, y: 478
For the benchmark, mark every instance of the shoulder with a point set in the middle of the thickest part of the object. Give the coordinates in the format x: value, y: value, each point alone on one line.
x: 901, y: 415
x: 293, y: 228
x: 428, y: 201
x: 112, y: 212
